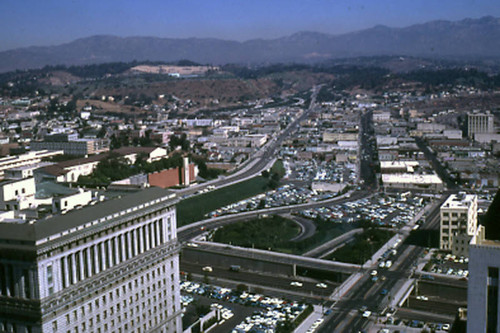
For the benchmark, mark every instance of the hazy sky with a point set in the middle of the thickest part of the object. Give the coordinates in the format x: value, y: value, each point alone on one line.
x: 51, y: 22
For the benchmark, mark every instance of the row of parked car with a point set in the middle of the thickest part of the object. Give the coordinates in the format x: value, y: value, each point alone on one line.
x: 384, y: 210
x: 269, y: 313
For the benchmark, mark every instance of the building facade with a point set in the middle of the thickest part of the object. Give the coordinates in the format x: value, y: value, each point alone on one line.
x: 78, y: 147
x: 109, y: 267
x: 458, y: 223
x: 482, y: 293
x: 480, y: 123
x: 30, y: 158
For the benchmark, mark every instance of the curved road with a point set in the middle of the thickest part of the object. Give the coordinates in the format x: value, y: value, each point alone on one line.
x: 190, y: 231
x: 308, y: 228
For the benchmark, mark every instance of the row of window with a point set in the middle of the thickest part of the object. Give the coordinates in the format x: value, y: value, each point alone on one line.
x: 16, y: 282
x: 96, y: 258
x: 150, y: 300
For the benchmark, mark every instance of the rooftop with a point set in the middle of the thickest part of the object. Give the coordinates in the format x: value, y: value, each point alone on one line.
x: 408, y: 178
x: 53, y: 227
x: 461, y: 200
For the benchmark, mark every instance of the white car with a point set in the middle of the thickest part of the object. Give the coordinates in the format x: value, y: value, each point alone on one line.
x: 207, y: 269
x: 296, y: 284
x: 192, y: 244
x: 388, y: 264
x: 367, y: 314
x: 321, y: 285
x: 373, y: 273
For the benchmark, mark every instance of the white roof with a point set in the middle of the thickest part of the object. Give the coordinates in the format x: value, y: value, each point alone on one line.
x: 408, y: 178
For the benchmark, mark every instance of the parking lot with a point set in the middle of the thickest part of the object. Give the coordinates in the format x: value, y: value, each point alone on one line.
x: 285, y: 195
x: 242, y: 311
x: 315, y: 170
x: 392, y: 324
x: 381, y: 209
x: 447, y: 264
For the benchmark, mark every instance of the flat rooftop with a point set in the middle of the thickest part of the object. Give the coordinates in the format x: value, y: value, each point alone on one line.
x: 54, y: 226
x: 409, y: 178
x: 457, y: 201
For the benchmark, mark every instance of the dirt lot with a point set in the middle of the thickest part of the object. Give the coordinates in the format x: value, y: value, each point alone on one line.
x: 103, y: 107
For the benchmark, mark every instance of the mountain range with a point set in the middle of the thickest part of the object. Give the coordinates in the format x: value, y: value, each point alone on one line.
x: 468, y: 39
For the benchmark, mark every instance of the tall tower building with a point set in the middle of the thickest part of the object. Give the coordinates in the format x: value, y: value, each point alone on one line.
x: 108, y: 267
x: 479, y: 123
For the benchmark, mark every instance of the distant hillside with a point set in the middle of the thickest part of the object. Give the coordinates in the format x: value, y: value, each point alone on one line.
x: 465, y: 39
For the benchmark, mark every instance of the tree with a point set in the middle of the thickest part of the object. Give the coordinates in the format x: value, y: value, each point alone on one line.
x: 262, y: 204
x: 241, y: 287
x: 181, y: 141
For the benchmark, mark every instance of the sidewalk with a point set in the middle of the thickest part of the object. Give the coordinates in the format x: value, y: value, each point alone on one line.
x: 306, y: 324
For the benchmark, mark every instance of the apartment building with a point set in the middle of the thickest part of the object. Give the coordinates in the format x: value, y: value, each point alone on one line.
x: 458, y: 223
x: 108, y: 267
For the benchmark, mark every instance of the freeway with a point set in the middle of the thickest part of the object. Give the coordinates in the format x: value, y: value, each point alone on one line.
x: 366, y: 173
x: 262, y: 158
x: 282, y: 258
x: 273, y: 286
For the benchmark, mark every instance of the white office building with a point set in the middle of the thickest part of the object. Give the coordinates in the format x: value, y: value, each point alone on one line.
x: 458, y: 223
x: 108, y: 267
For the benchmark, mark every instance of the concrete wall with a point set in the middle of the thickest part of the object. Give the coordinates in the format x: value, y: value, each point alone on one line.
x: 480, y: 258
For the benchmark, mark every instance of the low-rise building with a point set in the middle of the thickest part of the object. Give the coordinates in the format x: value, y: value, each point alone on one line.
x: 17, y: 194
x: 77, y: 147
x: 333, y: 137
x: 411, y: 181
x: 70, y: 171
x: 32, y: 157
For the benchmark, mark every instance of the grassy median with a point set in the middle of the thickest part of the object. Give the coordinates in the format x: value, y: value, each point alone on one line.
x: 363, y: 246
x: 194, y: 209
x: 275, y: 233
x: 267, y: 233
